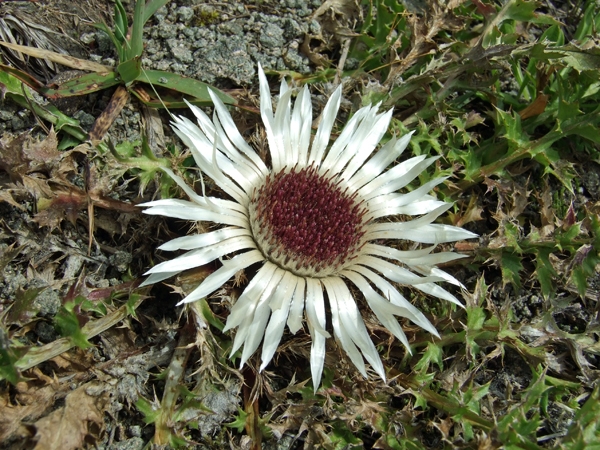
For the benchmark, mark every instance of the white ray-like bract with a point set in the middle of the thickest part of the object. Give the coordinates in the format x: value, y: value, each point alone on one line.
x: 308, y: 223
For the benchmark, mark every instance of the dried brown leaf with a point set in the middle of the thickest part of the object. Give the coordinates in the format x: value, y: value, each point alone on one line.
x: 424, y: 31
x: 336, y: 18
x: 513, y: 198
x: 37, y: 187
x: 118, y: 100
x: 6, y: 256
x: 546, y: 212
x: 118, y: 342
x: 35, y: 162
x: 520, y: 200
x: 67, y: 428
x: 40, y: 153
x: 12, y: 160
x: 63, y: 205
x: 472, y: 214
x: 31, y: 402
x: 345, y: 8
x: 484, y: 9
x: 67, y: 202
x: 23, y: 155
x: 444, y: 426
x: 154, y: 130
x: 6, y: 196
x: 535, y: 108
x: 59, y: 58
x: 75, y: 361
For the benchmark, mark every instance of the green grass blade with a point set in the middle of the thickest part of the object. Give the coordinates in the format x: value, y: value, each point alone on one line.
x: 193, y: 90
x: 136, y: 44
x: 151, y: 7
x: 121, y: 24
x: 84, y: 84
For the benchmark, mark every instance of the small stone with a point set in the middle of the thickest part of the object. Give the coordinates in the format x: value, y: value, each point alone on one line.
x: 135, y: 443
x: 226, y: 58
x: 17, y: 124
x: 120, y: 260
x: 84, y: 118
x: 295, y: 60
x: 103, y: 41
x: 185, y: 14
x: 48, y: 302
x: 182, y: 54
x: 314, y: 27
x: 45, y: 332
x: 110, y: 62
x: 88, y: 38
x: 6, y: 115
x: 292, y: 28
x: 167, y: 31
x: 272, y: 36
x: 232, y: 27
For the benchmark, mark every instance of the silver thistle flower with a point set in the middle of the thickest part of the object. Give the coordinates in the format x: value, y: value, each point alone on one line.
x: 311, y: 220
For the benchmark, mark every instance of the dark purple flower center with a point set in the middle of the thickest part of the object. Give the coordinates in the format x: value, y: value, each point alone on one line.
x: 305, y: 222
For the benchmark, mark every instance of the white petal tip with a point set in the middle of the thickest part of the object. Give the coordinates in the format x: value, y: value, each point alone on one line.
x: 185, y: 300
x: 264, y: 365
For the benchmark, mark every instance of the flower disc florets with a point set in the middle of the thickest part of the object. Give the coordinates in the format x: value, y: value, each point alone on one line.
x: 306, y: 223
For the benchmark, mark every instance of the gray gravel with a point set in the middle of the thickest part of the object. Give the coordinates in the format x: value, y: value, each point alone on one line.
x: 215, y: 42
x: 222, y: 43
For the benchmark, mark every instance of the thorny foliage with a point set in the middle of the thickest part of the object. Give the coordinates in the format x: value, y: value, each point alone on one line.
x: 508, y: 95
